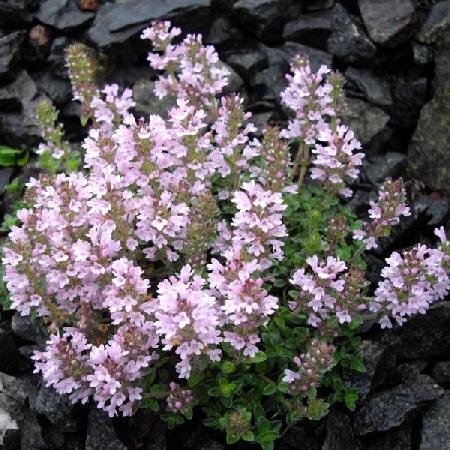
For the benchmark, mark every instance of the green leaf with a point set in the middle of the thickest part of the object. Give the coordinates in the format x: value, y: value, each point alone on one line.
x: 248, y: 436
x: 357, y: 364
x: 195, y: 378
x: 158, y: 391
x: 270, y: 389
x: 8, y: 156
x: 228, y: 367
x: 232, y: 438
x: 258, y: 358
x: 350, y: 398
x: 151, y: 403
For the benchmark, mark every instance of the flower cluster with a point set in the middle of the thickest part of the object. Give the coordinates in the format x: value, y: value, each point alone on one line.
x: 385, y: 213
x: 328, y: 291
x: 311, y: 366
x: 412, y: 280
x: 166, y: 250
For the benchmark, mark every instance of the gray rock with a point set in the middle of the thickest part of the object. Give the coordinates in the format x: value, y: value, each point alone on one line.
x: 5, y: 177
x: 63, y: 15
x: 435, y: 208
x: 19, y: 125
x: 349, y: 41
x: 223, y: 33
x: 389, y: 165
x: 10, y: 46
x: 58, y: 90
x: 437, y: 21
x: 147, y: 102
x: 368, y: 122
x: 423, y: 54
x: 389, y: 409
x: 248, y: 62
x: 100, y: 432
x: 235, y: 82
x: 310, y: 29
x: 436, y: 425
x: 31, y: 437
x: 378, y: 362
x: 441, y: 373
x: 55, y: 407
x: 430, y: 140
x: 211, y: 445
x: 398, y: 439
x: 339, y: 432
x: 388, y: 23
x: 317, y: 5
x: 423, y: 336
x: 17, y: 12
x: 28, y: 329
x: 266, y: 18
x: 9, y: 356
x: 373, y: 88
x: 116, y: 23
x: 11, y: 439
x: 57, y: 57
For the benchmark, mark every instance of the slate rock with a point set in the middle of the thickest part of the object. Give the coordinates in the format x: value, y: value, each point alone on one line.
x: 390, y: 165
x: 19, y: 125
x: 235, y: 82
x: 10, y: 359
x: 339, y: 434
x: 58, y: 90
x: 63, y: 15
x: 100, y: 432
x: 436, y: 209
x: 388, y: 22
x: 409, y: 97
x: 223, y: 34
x: 11, y: 439
x: 31, y: 435
x: 423, y: 54
x: 368, y: 122
x: 147, y: 102
x: 436, y: 425
x: 429, y: 142
x: 397, y: 439
x: 10, y: 46
x: 437, y: 21
x: 247, y: 62
x: 318, y: 5
x: 310, y: 29
x: 441, y: 373
x: 373, y: 88
x: 378, y: 362
x: 390, y: 408
x: 55, y: 407
x: 423, y: 336
x: 211, y: 445
x: 349, y: 41
x: 57, y: 57
x: 5, y: 177
x: 15, y: 13
x: 116, y: 23
x: 6, y: 423
x: 266, y: 18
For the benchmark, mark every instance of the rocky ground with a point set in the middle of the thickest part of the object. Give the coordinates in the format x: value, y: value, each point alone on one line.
x: 395, y: 55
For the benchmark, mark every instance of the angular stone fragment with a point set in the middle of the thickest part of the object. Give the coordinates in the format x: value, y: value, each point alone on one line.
x: 436, y: 425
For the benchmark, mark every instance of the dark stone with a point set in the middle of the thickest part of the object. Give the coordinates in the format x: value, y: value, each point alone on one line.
x: 266, y: 18
x: 261, y: 120
x: 63, y: 15
x: 55, y: 407
x: 435, y: 208
x: 388, y: 23
x: 373, y: 88
x: 368, y: 122
x: 11, y: 440
x: 349, y: 41
x: 317, y: 5
x: 423, y: 336
x: 9, y: 356
x: 441, y: 373
x: 58, y: 90
x: 409, y: 97
x: 223, y: 34
x: 409, y: 371
x: 339, y: 432
x: 389, y: 409
x: 235, y: 82
x: 389, y: 165
x: 10, y: 46
x: 57, y: 57
x: 248, y: 62
x: 15, y: 13
x: 437, y: 21
x: 147, y: 102
x: 5, y: 177
x: 378, y: 362
x: 310, y: 29
x: 100, y: 432
x: 19, y: 126
x: 429, y: 143
x: 116, y: 23
x: 31, y: 434
x: 211, y: 445
x: 423, y: 54
x: 28, y: 329
x: 436, y: 425
x: 398, y: 439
